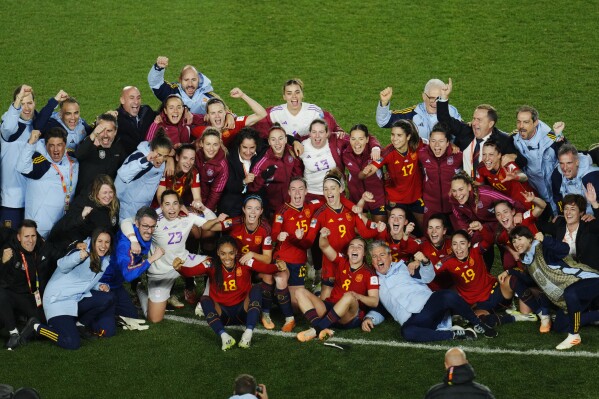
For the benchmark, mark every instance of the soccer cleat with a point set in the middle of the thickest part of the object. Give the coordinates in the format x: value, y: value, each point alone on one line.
x: 29, y: 330
x: 518, y: 316
x: 570, y: 341
x: 306, y: 335
x: 316, y: 289
x: 13, y: 341
x: 545, y: 324
x: 228, y: 341
x: 190, y: 296
x: 246, y: 339
x: 325, y: 334
x: 175, y: 302
x: 199, y: 311
x: 485, y: 330
x: 267, y: 321
x: 288, y: 326
x: 464, y: 334
x: 86, y: 333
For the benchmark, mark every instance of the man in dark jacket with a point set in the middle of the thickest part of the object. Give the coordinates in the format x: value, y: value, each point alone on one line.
x: 134, y: 119
x: 458, y: 381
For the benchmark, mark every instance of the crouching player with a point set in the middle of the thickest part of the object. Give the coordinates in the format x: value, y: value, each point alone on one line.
x: 355, y: 289
x: 232, y: 298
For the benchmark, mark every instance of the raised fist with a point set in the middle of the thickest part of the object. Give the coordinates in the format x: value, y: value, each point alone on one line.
x: 236, y: 93
x: 386, y: 95
x: 61, y: 96
x: 35, y: 136
x: 162, y: 61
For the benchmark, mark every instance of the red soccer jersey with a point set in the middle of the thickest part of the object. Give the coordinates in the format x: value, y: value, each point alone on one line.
x: 343, y: 225
x: 359, y: 280
x: 512, y: 188
x: 400, y: 249
x: 288, y: 219
x: 256, y: 241
x: 179, y: 185
x: 436, y: 255
x: 236, y: 283
x: 227, y: 135
x: 470, y: 276
x: 404, y: 185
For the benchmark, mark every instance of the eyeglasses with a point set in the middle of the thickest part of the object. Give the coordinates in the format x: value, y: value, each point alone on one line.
x: 148, y: 227
x: 430, y: 98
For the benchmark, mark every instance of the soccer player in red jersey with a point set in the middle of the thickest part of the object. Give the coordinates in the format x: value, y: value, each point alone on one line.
x: 436, y: 247
x: 398, y: 236
x: 232, y: 297
x: 508, y: 179
x: 342, y: 223
x: 253, y: 236
x: 400, y: 158
x: 355, y: 290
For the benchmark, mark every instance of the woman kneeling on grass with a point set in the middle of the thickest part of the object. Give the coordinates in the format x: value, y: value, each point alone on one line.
x: 356, y: 289
x: 75, y: 302
x: 570, y: 285
x: 232, y: 298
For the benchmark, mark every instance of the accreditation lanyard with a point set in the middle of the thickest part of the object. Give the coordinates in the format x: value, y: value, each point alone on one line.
x: 37, y: 280
x: 67, y: 191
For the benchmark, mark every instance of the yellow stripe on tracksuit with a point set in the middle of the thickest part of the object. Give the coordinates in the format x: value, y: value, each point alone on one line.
x: 48, y: 334
x: 576, y: 322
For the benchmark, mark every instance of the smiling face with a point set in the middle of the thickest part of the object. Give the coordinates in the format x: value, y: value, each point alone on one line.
x: 397, y: 221
x: 436, y: 232
x: 356, y: 251
x: 460, y: 190
x: 210, y: 145
x: 27, y: 107
x: 189, y: 80
x: 358, y: 140
x: 297, y: 193
x: 505, y: 216
x: 56, y: 147
x: 460, y: 246
x: 569, y: 163
x: 131, y: 100
x: 399, y: 139
x: 293, y: 96
x: 69, y: 114
x: 521, y: 244
x: 27, y: 237
x: 277, y: 139
x: 430, y: 100
x: 381, y: 259
x: 170, y: 207
x: 247, y: 149
x: 227, y: 252
x: 332, y: 193
x: 185, y: 160
x: 146, y: 226
x: 252, y: 211
x: 216, y: 115
x: 526, y: 127
x: 174, y: 110
x: 481, y: 123
x: 105, y: 195
x: 438, y: 143
x: 491, y: 157
x: 319, y: 135
x: 106, y: 137
x: 572, y: 214
x: 102, y: 244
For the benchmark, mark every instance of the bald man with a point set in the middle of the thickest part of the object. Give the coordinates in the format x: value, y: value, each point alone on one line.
x: 458, y: 381
x: 133, y: 119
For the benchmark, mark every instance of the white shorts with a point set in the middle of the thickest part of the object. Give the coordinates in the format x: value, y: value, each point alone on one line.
x: 159, y: 285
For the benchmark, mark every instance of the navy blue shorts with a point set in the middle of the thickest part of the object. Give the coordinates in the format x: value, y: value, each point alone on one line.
x: 297, y: 274
x: 232, y: 315
x: 353, y: 323
x: 415, y: 207
x: 495, y: 301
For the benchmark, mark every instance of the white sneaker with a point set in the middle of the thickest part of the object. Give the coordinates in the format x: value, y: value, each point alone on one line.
x: 246, y: 339
x: 199, y: 311
x: 518, y: 316
x: 175, y: 302
x: 570, y: 341
x: 228, y: 341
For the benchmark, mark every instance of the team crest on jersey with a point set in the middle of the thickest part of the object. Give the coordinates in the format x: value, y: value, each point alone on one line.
x: 413, y: 156
x: 307, y: 213
x: 449, y: 161
x: 239, y: 272
x: 210, y: 172
x: 258, y: 240
x: 349, y: 217
x: 479, y: 205
x: 102, y: 154
x: 470, y: 262
x: 289, y: 159
x: 359, y: 278
x: 226, y: 134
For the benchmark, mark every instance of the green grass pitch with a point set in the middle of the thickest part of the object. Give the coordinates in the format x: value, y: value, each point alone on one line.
x: 506, y: 53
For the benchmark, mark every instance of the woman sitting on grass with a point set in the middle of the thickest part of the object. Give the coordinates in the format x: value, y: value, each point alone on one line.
x: 232, y: 299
